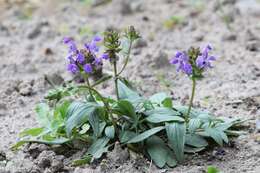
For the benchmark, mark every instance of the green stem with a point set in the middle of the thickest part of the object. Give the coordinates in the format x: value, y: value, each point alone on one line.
x: 127, y: 58
x: 104, y: 102
x: 89, y: 86
x: 115, y: 79
x: 191, y: 99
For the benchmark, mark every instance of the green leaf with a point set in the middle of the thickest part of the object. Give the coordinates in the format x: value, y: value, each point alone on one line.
x: 98, y: 147
x: 78, y: 114
x: 193, y: 150
x: 195, y: 141
x: 31, y: 132
x: 94, y: 122
x: 184, y: 110
x: 212, y: 169
x: 145, y: 134
x: 217, y: 135
x: 161, y: 114
x: 43, y: 115
x: 126, y: 108
x: 125, y: 93
x: 158, y: 98
x: 55, y: 141
x: 157, y: 150
x: 167, y: 103
x: 194, y: 124
x: 176, y: 136
x: 84, y: 129
x: 85, y: 160
x: 110, y: 132
x: 125, y: 136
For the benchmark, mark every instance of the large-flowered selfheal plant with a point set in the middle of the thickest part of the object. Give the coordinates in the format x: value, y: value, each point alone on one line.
x: 154, y: 126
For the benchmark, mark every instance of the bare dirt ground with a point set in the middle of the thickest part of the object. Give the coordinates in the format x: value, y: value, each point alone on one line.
x: 30, y: 47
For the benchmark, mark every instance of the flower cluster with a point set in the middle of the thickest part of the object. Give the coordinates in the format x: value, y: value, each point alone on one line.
x: 86, y: 59
x: 194, y: 61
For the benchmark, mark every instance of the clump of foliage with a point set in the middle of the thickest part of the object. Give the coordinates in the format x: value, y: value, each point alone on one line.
x: 154, y: 126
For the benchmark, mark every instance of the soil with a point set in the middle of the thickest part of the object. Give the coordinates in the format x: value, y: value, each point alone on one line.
x: 30, y: 47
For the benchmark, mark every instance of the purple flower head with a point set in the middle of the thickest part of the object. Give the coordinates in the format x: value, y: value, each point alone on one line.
x: 204, y: 60
x: 97, y: 38
x: 72, y: 47
x: 97, y: 61
x: 87, y: 68
x: 80, y: 58
x: 181, y: 60
x: 67, y: 40
x: 105, y: 56
x: 73, y: 68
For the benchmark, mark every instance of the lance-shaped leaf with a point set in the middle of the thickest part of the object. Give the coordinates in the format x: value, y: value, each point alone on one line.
x: 78, y: 114
x: 195, y: 140
x: 125, y: 93
x: 98, y: 147
x: 145, y: 134
x: 162, y: 114
x: 176, y: 136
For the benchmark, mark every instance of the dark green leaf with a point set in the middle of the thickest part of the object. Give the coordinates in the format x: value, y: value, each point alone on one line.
x: 78, y: 114
x: 145, y: 134
x: 126, y: 136
x: 110, y: 132
x: 126, y: 108
x: 176, y: 136
x: 98, y: 147
x: 188, y: 149
x: 157, y: 150
x: 125, y: 93
x: 195, y: 140
x: 162, y: 114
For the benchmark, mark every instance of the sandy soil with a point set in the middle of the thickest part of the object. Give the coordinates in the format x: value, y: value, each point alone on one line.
x: 30, y: 47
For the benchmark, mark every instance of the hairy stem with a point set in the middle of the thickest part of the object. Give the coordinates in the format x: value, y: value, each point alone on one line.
x: 191, y: 99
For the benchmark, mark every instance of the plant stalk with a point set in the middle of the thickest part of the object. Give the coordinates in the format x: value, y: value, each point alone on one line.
x: 89, y: 86
x: 115, y: 79
x: 127, y: 58
x: 191, y: 99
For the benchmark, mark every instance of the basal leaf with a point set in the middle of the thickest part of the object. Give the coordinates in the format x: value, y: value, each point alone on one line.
x: 162, y: 114
x: 43, y: 115
x: 98, y: 147
x: 125, y: 93
x: 78, y: 114
x: 195, y: 140
x: 126, y: 108
x: 193, y: 150
x: 176, y: 136
x: 194, y: 124
x: 110, y: 132
x: 157, y: 150
x: 125, y: 136
x: 217, y: 135
x: 158, y: 98
x: 145, y: 134
x: 31, y: 132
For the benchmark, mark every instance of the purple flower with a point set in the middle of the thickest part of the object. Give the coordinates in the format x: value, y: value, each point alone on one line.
x: 67, y: 40
x: 97, y: 38
x: 72, y: 47
x: 105, y: 56
x: 80, y: 58
x: 204, y: 60
x: 87, y: 68
x: 73, y: 68
x: 181, y: 60
x: 97, y: 61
